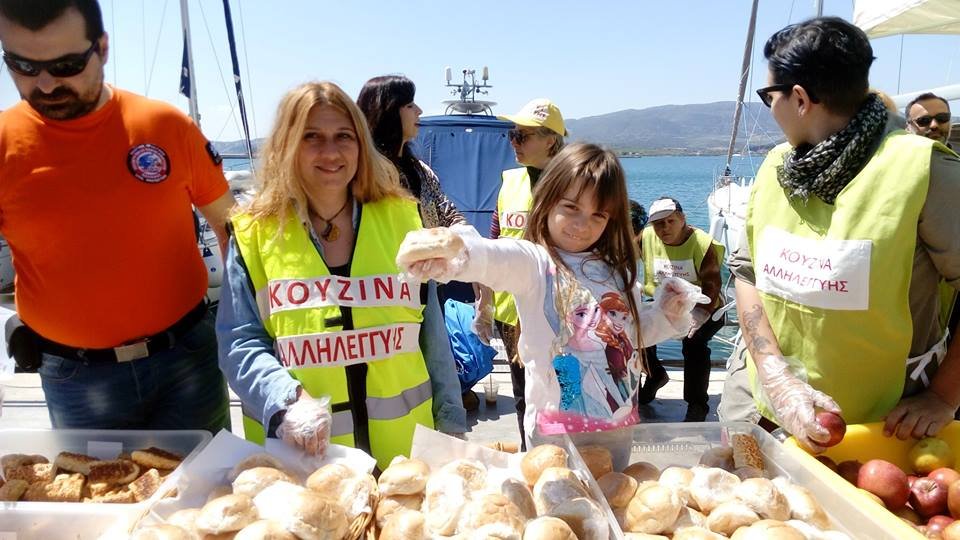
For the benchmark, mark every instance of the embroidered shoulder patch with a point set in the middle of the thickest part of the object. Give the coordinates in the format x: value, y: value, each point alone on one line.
x: 214, y: 155
x: 148, y: 163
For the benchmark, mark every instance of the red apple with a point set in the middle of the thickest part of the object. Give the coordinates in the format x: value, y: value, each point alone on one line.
x: 944, y: 475
x: 831, y: 464
x: 885, y: 480
x: 911, y: 478
x: 928, y: 497
x: 834, y: 424
x: 936, y: 524
x: 953, y: 499
x: 849, y: 470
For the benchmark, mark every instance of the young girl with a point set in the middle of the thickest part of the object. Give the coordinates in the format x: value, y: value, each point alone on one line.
x: 578, y: 249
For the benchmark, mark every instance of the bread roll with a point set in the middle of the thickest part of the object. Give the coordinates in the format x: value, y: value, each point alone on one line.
x: 585, y: 518
x: 720, y: 457
x: 226, y: 514
x: 768, y: 529
x: 161, y: 532
x: 274, y: 501
x: 598, y: 459
x: 491, y: 508
x: 446, y: 495
x: 697, y: 533
x: 761, y: 496
x: 405, y: 525
x: 803, y: 505
x: 313, y: 516
x: 252, y: 481
x: 548, y: 528
x: 218, y: 492
x: 730, y: 516
x: 617, y: 488
x: 493, y: 531
x: 256, y: 460
x: 688, y: 517
x: 556, y: 485
x: 471, y: 470
x: 540, y: 459
x: 186, y: 519
x: 679, y: 480
x: 407, y: 477
x: 327, y: 479
x: 387, y: 506
x: 519, y: 494
x: 436, y: 243
x: 653, y: 510
x: 642, y: 471
x: 265, y: 529
x: 711, y: 487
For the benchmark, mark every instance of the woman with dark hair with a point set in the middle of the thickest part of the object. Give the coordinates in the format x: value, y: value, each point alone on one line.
x: 392, y: 115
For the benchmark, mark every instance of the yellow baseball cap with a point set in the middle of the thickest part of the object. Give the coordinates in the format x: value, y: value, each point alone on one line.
x: 540, y: 112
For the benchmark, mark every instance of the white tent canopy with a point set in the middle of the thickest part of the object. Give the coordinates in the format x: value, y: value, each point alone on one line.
x: 879, y: 18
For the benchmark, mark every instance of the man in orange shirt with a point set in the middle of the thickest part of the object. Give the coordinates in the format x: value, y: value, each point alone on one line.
x: 97, y: 187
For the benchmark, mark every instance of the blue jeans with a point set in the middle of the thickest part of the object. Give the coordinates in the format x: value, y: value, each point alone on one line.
x: 180, y: 388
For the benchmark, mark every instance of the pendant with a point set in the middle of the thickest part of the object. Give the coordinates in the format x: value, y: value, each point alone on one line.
x: 330, y: 233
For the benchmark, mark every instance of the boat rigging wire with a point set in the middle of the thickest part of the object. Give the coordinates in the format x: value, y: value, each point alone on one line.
x: 113, y: 34
x: 143, y: 35
x: 246, y: 64
x: 156, y: 49
x: 216, y: 58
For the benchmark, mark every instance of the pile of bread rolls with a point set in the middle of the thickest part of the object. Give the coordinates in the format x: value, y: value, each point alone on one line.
x: 266, y: 501
x: 725, y: 496
x: 464, y: 500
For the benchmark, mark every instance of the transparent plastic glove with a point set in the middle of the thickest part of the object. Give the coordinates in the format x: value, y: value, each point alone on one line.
x: 794, y: 402
x: 676, y: 298
x: 437, y: 254
x: 483, y: 321
x: 306, y: 424
x: 700, y: 315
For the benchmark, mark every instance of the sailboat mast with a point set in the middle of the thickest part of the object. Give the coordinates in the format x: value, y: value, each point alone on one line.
x: 744, y: 76
x: 236, y: 80
x: 188, y: 78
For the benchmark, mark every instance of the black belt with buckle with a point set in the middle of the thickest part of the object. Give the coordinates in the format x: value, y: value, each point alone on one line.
x: 134, y: 350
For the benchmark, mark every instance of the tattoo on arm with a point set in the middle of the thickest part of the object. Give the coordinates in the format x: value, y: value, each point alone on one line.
x: 756, y: 343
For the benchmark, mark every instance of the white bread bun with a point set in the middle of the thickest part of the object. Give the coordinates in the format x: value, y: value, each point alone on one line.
x: 585, y: 518
x: 598, y: 459
x: 226, y: 514
x: 697, y: 533
x: 652, y: 510
x: 688, y: 518
x: 519, y: 494
x: 556, y: 485
x: 493, y: 531
x: 436, y: 243
x: 491, y: 508
x: 274, y: 501
x: 252, y: 481
x: 642, y: 471
x: 768, y: 529
x: 406, y: 477
x: 803, y: 505
x: 186, y: 519
x: 730, y: 516
x: 405, y: 525
x: 217, y: 492
x: 471, y: 470
x: 161, y: 532
x: 617, y: 488
x: 387, y: 506
x: 446, y: 496
x: 679, y: 480
x: 540, y: 459
x: 548, y: 528
x: 265, y: 530
x: 720, y: 457
x: 314, y: 516
x: 761, y: 496
x: 711, y: 487
x: 256, y: 460
x: 352, y: 490
x: 327, y: 479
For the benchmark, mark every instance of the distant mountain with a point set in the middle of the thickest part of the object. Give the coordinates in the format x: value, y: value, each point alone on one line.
x: 702, y: 128
x: 678, y: 129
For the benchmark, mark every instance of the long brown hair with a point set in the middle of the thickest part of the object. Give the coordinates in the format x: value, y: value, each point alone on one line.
x: 589, y: 166
x: 282, y: 185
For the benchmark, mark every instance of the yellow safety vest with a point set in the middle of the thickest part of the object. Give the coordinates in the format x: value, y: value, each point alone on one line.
x: 683, y: 261
x: 299, y: 302
x: 834, y: 279
x: 513, y: 206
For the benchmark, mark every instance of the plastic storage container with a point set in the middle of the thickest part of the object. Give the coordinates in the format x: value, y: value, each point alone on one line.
x: 56, y: 521
x: 864, y: 442
x: 682, y: 444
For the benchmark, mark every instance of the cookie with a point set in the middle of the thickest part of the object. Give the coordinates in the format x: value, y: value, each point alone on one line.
x: 76, y: 463
x: 117, y: 471
x: 32, y: 474
x: 145, y: 486
x: 156, y: 458
x: 13, y: 490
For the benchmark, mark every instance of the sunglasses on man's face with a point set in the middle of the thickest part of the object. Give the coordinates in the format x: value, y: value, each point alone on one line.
x: 764, y: 93
x: 518, y: 136
x: 68, y: 65
x: 926, y: 120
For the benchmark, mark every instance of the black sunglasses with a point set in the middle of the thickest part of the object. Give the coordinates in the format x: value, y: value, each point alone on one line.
x: 67, y: 65
x: 764, y: 93
x: 518, y: 136
x: 925, y: 120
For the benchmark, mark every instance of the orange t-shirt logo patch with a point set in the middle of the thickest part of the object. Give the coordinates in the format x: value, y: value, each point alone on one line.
x: 148, y: 163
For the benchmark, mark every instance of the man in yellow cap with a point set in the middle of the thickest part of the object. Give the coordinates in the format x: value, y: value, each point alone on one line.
x: 537, y: 137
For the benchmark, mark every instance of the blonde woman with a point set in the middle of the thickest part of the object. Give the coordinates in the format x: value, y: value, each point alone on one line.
x: 318, y: 335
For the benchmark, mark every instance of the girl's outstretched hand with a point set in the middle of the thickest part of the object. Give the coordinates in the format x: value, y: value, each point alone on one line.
x: 676, y: 298
x: 437, y: 253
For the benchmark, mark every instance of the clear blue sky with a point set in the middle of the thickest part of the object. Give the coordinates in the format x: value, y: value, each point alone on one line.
x: 589, y: 57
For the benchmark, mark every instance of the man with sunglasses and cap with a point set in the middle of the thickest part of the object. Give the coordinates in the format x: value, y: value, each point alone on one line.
x: 97, y: 189
x: 928, y: 115
x: 537, y: 137
x: 850, y: 227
